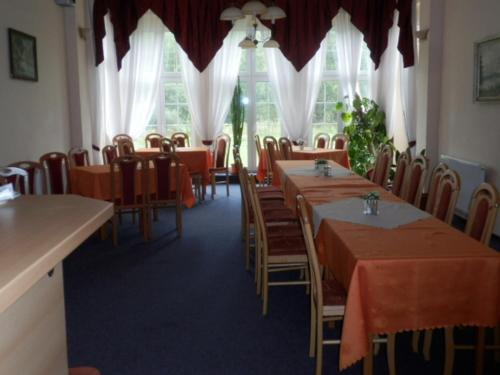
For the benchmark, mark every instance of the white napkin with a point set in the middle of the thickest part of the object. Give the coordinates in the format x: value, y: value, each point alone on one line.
x: 7, y: 192
x: 391, y: 214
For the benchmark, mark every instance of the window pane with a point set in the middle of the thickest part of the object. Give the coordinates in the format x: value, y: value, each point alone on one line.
x: 267, y: 121
x: 170, y: 55
x: 260, y: 60
x: 331, y: 51
x: 325, y: 116
x: 244, y: 64
x: 177, y: 116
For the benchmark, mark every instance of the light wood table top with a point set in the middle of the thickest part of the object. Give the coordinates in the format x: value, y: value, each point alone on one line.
x: 39, y: 231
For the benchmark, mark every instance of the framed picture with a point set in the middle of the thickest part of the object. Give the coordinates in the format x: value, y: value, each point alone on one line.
x: 487, y: 70
x: 22, y: 52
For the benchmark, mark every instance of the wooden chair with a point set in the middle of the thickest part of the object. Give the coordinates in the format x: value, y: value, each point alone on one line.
x: 17, y: 177
x: 483, y: 211
x: 382, y: 166
x: 109, y: 153
x: 36, y: 177
x: 279, y: 248
x: 221, y: 161
x: 402, y: 167
x: 258, y: 145
x: 121, y: 137
x: 166, y: 168
x: 339, y: 142
x: 78, y: 157
x: 129, y: 197
x: 181, y: 139
x: 167, y: 145
x: 125, y: 148
x: 446, y: 197
x: 56, y: 167
x: 430, y: 196
x: 272, y: 153
x: 414, y: 181
x: 328, y: 300
x: 285, y: 147
x: 153, y: 140
x: 321, y: 140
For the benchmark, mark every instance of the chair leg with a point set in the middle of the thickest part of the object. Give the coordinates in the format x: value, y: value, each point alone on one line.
x: 265, y: 290
x: 449, y: 351
x: 391, y: 353
x: 319, y: 344
x: 368, y: 360
x: 414, y: 341
x: 227, y: 183
x: 427, y: 344
x: 115, y: 229
x: 480, y: 346
x: 497, y: 343
x: 258, y: 268
x: 178, y: 218
x: 212, y: 179
x: 312, y: 334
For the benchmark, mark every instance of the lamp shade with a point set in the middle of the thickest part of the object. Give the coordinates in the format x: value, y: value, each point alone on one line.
x: 273, y: 13
x: 231, y: 14
x: 271, y: 43
x: 253, y: 8
x: 247, y: 43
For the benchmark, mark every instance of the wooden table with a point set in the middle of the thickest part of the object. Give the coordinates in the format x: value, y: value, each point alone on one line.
x: 420, y: 275
x: 197, y: 159
x: 94, y: 181
x: 37, y: 232
x: 339, y: 156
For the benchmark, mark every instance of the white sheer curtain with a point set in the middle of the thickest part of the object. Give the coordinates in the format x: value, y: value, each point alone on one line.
x: 295, y: 93
x: 209, y: 93
x: 126, y: 98
x: 349, y: 42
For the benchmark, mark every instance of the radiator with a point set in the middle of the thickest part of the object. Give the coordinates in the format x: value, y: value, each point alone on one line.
x: 471, y: 176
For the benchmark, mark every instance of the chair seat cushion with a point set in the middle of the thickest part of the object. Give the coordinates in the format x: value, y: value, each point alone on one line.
x: 267, y: 189
x: 285, y: 230
x: 334, y: 297
x: 286, y: 249
x: 271, y: 195
x: 84, y: 371
x: 279, y: 214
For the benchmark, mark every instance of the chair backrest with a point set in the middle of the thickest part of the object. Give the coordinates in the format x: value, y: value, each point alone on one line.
x: 124, y: 188
x: 272, y: 151
x: 482, y: 213
x: 436, y: 175
x: 322, y: 140
x: 314, y: 269
x: 17, y: 177
x: 56, y: 168
x: 286, y: 148
x: 402, y: 167
x: 167, y: 145
x: 339, y: 142
x: 78, y: 157
x: 447, y: 195
x: 121, y: 137
x: 382, y: 167
x: 414, y: 181
x: 37, y: 183
x: 167, y: 182
x: 153, y: 140
x: 221, y: 151
x: 109, y: 153
x: 259, y: 224
x: 125, y: 148
x: 180, y: 139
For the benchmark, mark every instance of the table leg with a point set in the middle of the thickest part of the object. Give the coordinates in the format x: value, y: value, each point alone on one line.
x: 481, y: 332
x: 368, y: 360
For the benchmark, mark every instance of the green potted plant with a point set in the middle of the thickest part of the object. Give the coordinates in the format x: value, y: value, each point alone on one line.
x: 237, y: 119
x: 365, y: 127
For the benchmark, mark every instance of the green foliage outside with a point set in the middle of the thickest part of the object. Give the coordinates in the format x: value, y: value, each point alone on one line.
x: 365, y: 127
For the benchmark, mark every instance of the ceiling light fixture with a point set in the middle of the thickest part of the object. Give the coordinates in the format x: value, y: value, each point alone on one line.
x: 257, y: 11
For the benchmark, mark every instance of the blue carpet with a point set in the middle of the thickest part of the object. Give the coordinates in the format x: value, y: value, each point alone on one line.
x: 187, y: 306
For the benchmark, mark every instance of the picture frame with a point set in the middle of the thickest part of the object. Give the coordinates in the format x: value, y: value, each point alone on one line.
x: 487, y: 69
x: 22, y: 56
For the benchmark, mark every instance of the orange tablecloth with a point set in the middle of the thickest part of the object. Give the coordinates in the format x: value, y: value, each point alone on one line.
x: 424, y: 274
x: 339, y: 156
x: 95, y: 182
x: 197, y: 159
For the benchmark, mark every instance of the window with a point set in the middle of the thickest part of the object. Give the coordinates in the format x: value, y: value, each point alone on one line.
x: 172, y: 111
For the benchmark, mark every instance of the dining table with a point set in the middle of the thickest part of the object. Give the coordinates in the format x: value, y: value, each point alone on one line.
x: 197, y: 159
x: 403, y: 269
x: 304, y: 153
x: 94, y: 181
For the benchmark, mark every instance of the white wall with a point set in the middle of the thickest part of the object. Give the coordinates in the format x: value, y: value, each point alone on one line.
x: 468, y: 130
x: 34, y: 116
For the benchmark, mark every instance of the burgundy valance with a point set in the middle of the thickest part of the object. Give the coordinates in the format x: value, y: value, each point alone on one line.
x: 198, y: 30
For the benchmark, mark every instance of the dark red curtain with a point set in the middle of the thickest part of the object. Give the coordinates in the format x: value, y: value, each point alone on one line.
x: 197, y: 28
